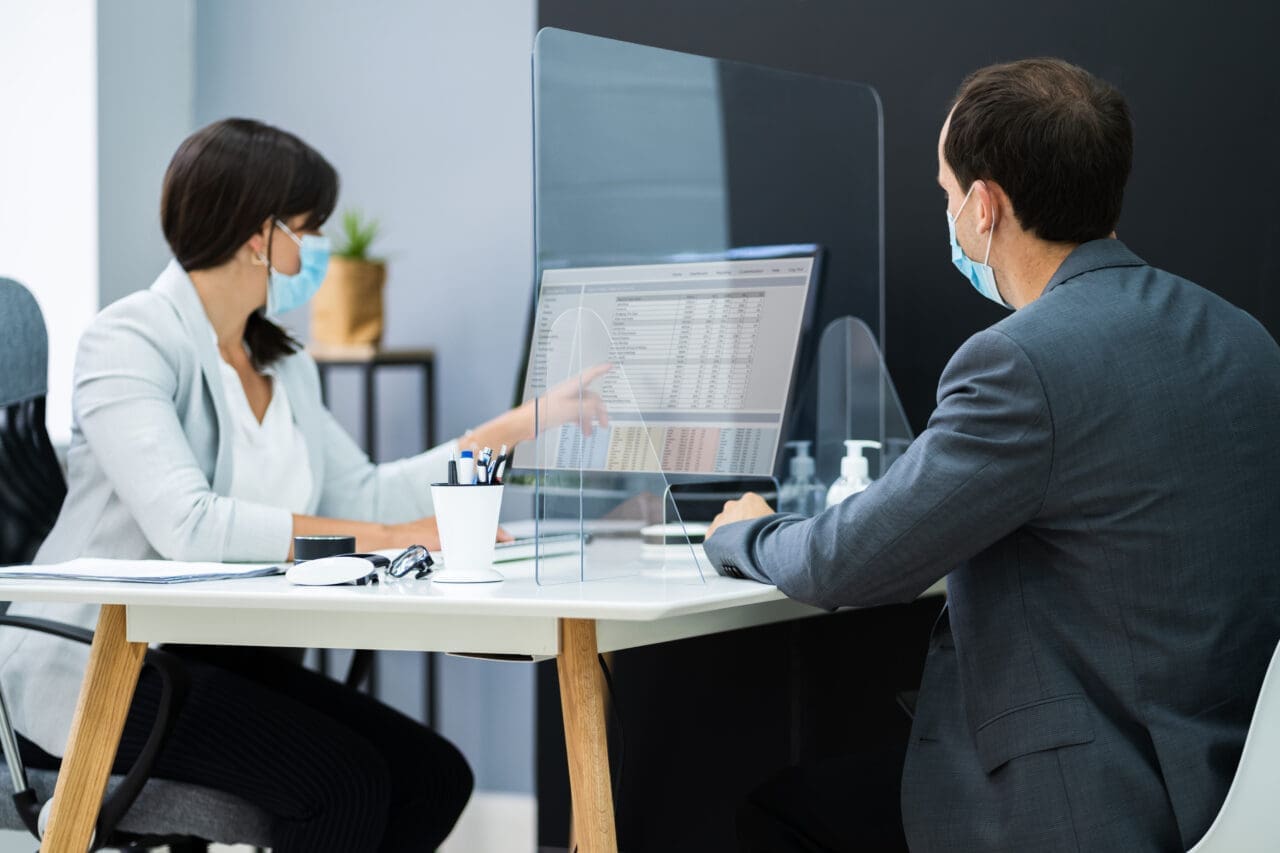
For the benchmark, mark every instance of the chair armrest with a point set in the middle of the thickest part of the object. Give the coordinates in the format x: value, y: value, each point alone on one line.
x: 173, y: 691
x: 48, y: 626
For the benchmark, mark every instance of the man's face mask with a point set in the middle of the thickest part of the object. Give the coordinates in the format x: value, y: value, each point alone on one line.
x: 286, y: 292
x: 980, y: 275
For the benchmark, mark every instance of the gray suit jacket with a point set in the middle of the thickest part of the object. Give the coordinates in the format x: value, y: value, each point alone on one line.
x: 1100, y: 478
x: 150, y: 469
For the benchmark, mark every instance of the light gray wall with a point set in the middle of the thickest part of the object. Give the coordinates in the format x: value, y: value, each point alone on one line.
x: 48, y: 176
x: 424, y: 109
x: 146, y: 93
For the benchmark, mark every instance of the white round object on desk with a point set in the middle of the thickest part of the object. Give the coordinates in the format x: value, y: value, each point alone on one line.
x: 328, y: 571
x: 673, y: 541
x: 675, y: 533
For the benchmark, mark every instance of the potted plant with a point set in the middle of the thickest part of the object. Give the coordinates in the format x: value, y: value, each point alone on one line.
x: 347, y: 310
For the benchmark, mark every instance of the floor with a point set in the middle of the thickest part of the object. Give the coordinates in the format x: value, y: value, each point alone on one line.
x: 493, y: 822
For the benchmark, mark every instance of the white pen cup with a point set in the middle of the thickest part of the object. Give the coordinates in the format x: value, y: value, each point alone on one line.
x: 467, y: 519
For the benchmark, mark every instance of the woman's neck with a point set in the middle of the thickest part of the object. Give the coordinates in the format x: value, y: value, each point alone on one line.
x: 226, y: 292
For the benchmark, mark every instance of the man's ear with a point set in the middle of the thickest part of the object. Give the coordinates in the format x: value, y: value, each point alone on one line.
x: 1001, y: 205
x: 988, y: 196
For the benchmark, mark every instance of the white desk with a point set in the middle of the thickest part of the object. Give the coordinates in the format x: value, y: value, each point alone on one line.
x: 572, y: 622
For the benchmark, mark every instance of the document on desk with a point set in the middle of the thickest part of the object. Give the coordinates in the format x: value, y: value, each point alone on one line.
x: 139, y: 571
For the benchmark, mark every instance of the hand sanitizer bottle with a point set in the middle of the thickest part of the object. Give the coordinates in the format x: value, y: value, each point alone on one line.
x: 801, y: 493
x: 854, y: 471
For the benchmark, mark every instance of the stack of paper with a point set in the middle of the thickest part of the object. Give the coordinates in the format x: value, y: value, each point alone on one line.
x: 139, y: 571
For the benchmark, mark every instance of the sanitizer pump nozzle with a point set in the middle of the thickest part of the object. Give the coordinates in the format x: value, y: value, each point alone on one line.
x: 854, y: 471
x: 801, y: 493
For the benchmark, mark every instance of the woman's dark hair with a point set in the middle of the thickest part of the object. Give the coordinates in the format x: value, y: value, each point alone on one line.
x: 224, y: 181
x: 1057, y: 139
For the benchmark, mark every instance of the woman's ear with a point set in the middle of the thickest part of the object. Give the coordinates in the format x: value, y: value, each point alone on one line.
x: 257, y: 244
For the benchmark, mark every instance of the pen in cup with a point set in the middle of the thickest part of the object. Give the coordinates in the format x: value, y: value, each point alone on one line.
x: 453, y: 470
x: 494, y: 473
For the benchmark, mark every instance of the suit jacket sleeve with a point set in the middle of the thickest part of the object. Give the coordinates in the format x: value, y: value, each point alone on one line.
x: 978, y: 472
x: 124, y: 406
x: 352, y: 486
x: 393, y: 492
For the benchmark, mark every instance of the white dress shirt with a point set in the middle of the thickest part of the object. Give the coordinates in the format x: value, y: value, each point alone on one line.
x: 269, y: 463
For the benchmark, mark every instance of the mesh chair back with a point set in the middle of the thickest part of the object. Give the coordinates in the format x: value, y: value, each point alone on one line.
x: 32, y: 487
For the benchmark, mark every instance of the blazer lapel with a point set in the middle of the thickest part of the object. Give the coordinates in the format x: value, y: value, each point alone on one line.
x: 175, y: 285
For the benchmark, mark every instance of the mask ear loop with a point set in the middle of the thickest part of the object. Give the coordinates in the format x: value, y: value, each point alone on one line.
x: 286, y: 229
x: 960, y: 210
x: 991, y: 235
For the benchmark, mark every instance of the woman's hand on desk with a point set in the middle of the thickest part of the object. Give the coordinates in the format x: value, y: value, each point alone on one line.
x: 421, y: 532
x: 425, y: 532
x: 371, y: 536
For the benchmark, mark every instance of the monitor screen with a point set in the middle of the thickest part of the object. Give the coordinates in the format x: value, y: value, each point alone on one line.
x: 704, y: 355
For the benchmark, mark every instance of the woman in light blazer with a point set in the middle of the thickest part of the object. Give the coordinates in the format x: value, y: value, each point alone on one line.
x: 199, y: 434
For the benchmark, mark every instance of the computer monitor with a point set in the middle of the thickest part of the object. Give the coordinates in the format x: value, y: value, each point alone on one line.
x: 705, y: 352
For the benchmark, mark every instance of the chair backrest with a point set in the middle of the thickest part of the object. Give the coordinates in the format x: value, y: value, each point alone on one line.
x: 32, y: 487
x: 1249, y: 819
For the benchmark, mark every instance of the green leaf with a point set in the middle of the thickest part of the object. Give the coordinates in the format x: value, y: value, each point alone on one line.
x: 359, y: 233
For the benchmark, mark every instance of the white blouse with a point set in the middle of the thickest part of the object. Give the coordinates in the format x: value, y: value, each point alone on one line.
x: 269, y: 462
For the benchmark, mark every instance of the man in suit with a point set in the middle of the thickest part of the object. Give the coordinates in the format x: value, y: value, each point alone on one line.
x: 1100, y: 484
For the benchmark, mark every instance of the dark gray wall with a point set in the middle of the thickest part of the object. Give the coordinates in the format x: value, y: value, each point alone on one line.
x: 1203, y: 82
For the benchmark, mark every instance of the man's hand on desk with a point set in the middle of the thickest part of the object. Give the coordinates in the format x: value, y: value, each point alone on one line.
x: 745, y: 508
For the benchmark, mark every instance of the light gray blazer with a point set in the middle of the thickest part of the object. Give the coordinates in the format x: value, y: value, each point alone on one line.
x: 1101, y: 481
x: 149, y: 469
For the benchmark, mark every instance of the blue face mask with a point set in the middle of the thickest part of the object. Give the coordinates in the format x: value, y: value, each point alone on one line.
x: 980, y: 275
x: 287, y: 292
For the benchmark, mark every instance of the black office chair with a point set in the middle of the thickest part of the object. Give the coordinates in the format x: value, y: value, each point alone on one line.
x: 138, y: 812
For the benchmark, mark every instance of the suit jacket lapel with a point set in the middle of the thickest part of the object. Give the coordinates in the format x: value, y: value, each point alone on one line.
x: 175, y: 285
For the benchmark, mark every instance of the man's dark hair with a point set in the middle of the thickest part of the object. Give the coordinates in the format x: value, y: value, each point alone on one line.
x: 1058, y: 140
x: 224, y: 181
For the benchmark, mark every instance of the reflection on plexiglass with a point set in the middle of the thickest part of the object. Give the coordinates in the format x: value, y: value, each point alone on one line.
x: 617, y: 504
x: 703, y: 355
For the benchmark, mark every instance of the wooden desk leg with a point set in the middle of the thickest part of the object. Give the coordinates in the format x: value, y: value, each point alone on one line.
x: 582, y: 702
x: 114, y: 664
